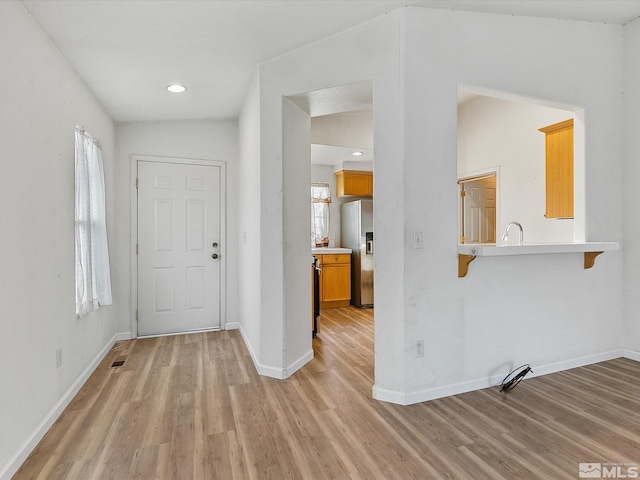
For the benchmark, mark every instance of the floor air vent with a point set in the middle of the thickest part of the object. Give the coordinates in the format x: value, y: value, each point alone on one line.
x: 119, y: 363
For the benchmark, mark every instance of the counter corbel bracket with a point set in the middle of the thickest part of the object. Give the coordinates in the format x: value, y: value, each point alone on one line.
x: 464, y: 261
x: 590, y: 259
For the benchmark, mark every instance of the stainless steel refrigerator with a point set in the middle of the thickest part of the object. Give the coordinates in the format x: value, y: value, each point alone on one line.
x: 357, y: 234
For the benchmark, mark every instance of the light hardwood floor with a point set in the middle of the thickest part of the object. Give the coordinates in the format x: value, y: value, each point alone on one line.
x: 192, y: 407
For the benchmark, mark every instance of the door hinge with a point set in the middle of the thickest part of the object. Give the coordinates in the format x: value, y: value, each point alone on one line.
x: 136, y: 315
x: 137, y: 249
x: 463, y: 239
x: 137, y: 183
x: 463, y: 193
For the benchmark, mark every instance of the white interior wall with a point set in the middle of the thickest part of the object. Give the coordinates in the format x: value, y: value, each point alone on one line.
x: 296, y: 181
x: 546, y: 309
x: 195, y: 139
x: 540, y: 309
x: 366, y: 165
x: 249, y: 223
x: 493, y: 132
x: 632, y: 192
x: 42, y: 101
x: 366, y: 52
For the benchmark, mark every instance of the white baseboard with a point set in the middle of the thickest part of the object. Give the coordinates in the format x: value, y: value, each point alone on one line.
x: 271, y: 371
x: 247, y: 343
x: 232, y: 326
x: 264, y: 370
x: 424, y: 395
x: 279, y: 373
x: 298, y: 364
x: 14, y: 463
x: 390, y: 396
x: 576, y: 362
x: 632, y: 355
x: 123, y: 336
x: 285, y: 372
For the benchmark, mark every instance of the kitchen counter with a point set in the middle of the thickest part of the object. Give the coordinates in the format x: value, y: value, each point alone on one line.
x: 492, y: 249
x: 468, y: 252
x: 329, y: 251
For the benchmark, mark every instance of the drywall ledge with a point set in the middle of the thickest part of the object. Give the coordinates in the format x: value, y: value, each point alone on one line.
x: 468, y: 252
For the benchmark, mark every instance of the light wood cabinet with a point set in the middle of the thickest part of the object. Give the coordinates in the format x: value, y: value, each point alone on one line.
x: 559, y: 169
x: 335, y: 280
x: 354, y: 182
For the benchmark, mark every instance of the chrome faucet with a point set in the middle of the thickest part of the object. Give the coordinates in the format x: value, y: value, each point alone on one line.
x: 505, y: 236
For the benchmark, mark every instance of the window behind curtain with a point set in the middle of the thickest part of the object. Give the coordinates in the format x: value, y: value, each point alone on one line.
x: 93, y: 282
x: 320, y: 200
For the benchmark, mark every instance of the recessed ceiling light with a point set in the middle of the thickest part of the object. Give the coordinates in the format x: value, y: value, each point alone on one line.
x: 176, y: 88
x: 357, y: 154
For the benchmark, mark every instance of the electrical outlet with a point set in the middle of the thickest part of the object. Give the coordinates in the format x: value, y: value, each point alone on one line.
x: 417, y: 240
x: 58, y: 357
x: 419, y: 348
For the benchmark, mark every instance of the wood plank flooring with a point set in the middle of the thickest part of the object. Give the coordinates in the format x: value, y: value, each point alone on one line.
x: 193, y: 407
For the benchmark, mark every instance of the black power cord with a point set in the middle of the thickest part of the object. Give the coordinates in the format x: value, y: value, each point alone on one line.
x: 513, y: 378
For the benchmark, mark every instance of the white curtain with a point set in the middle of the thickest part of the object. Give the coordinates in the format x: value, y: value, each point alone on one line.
x: 93, y: 281
x: 320, y: 200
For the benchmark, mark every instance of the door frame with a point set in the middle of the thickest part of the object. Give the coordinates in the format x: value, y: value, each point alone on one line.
x: 134, y: 159
x: 477, y: 175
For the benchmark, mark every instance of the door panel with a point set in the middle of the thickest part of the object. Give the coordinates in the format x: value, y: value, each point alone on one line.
x: 479, y: 210
x: 196, y: 225
x: 163, y: 213
x: 178, y: 223
x: 196, y: 288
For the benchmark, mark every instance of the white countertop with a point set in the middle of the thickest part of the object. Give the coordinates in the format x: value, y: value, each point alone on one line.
x: 329, y: 251
x: 492, y: 249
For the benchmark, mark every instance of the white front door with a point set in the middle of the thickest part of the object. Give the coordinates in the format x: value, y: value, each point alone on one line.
x: 179, y: 255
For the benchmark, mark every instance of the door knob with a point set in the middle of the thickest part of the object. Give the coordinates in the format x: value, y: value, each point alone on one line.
x: 214, y: 244
x: 214, y: 256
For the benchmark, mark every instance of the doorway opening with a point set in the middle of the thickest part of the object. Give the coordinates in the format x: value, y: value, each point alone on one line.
x: 341, y: 150
x: 503, y: 132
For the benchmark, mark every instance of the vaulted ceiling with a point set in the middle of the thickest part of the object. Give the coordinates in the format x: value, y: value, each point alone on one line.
x: 127, y: 52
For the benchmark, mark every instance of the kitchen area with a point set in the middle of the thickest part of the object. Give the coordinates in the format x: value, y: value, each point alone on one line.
x: 342, y: 234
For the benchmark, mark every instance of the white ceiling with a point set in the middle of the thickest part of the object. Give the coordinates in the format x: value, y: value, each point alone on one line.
x: 336, y: 156
x: 602, y: 11
x: 128, y: 51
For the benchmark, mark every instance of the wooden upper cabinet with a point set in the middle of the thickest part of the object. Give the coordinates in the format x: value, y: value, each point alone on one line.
x: 354, y: 182
x: 559, y: 169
